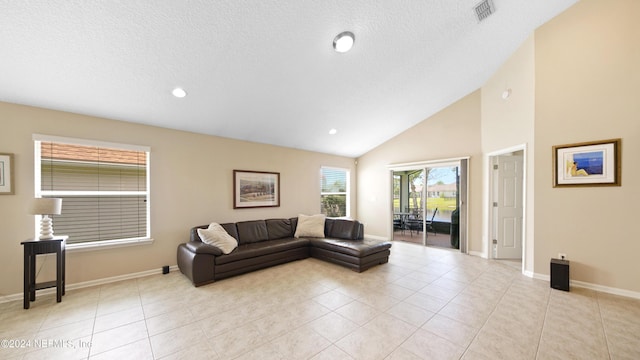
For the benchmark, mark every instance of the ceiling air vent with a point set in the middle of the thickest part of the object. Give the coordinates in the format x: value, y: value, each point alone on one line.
x: 484, y: 9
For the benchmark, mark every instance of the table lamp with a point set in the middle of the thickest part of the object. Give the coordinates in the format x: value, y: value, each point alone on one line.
x: 46, y: 207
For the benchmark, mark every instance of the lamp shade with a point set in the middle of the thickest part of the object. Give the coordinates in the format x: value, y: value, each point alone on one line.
x: 46, y: 206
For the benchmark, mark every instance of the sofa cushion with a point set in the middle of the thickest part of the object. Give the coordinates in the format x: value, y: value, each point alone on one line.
x: 279, y: 228
x: 252, y: 231
x: 358, y: 248
x: 310, y: 226
x: 251, y: 250
x: 328, y: 224
x: 344, y: 229
x: 216, y: 235
x: 231, y: 229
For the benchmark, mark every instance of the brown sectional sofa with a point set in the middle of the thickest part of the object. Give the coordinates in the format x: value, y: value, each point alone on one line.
x: 264, y: 243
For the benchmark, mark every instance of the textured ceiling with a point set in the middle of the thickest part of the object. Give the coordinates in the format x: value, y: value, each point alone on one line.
x: 263, y: 71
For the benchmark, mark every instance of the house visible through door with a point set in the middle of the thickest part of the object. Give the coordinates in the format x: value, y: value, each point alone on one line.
x: 427, y: 204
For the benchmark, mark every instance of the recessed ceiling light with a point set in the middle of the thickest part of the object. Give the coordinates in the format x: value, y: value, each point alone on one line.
x: 333, y: 131
x: 179, y: 92
x: 344, y: 41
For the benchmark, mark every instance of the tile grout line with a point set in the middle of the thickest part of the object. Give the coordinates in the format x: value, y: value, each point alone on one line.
x: 544, y: 323
x: 144, y: 316
x: 434, y: 313
x: 466, y: 350
x: 437, y: 312
x: 95, y: 318
x: 604, y: 329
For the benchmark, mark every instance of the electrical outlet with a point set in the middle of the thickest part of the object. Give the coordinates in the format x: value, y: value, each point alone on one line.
x: 562, y: 256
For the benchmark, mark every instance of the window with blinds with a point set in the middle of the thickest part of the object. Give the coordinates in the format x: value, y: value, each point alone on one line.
x: 334, y: 192
x: 104, y: 189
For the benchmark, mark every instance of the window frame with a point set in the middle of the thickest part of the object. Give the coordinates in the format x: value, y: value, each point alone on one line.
x: 99, y: 244
x: 347, y: 193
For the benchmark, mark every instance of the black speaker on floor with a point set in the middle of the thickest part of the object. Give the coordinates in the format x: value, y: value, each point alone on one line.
x: 165, y: 269
x: 560, y: 274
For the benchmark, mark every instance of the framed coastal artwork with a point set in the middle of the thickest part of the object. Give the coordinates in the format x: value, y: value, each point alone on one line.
x: 6, y: 174
x: 255, y: 189
x: 595, y: 163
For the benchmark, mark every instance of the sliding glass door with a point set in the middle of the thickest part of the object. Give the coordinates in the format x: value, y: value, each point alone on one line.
x: 429, y: 204
x: 441, y: 205
x: 408, y: 205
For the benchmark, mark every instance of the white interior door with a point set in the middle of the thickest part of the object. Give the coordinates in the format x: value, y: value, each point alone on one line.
x: 508, y: 207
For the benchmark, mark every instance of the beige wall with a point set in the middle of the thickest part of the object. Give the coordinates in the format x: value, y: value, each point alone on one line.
x: 577, y: 78
x: 588, y: 88
x: 509, y: 123
x: 191, y: 184
x: 453, y: 132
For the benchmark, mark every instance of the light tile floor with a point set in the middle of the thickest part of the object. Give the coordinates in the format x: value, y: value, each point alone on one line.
x: 425, y: 304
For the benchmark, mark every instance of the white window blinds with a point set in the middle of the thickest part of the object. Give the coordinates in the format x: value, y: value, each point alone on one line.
x: 104, y: 189
x: 334, y: 192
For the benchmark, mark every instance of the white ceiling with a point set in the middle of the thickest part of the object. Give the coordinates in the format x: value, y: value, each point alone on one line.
x: 260, y: 70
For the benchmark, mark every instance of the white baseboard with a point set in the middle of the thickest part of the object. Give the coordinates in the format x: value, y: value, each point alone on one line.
x: 576, y: 283
x: 606, y: 289
x: 479, y: 254
x: 85, y: 284
x: 591, y: 286
x: 542, y: 277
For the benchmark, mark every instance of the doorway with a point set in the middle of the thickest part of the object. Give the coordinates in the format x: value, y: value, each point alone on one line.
x: 409, y: 205
x: 429, y: 203
x: 507, y: 207
x: 442, y: 204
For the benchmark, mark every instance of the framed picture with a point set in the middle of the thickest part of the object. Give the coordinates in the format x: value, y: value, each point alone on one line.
x: 596, y: 163
x: 255, y: 189
x: 6, y: 174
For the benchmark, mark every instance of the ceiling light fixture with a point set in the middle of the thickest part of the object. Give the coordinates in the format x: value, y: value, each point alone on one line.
x: 344, y: 41
x: 179, y: 92
x: 333, y: 131
x: 506, y: 94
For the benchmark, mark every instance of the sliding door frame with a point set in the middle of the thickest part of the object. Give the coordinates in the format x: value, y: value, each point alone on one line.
x: 463, y: 186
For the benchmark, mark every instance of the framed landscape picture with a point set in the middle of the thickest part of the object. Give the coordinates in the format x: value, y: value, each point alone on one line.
x: 594, y: 163
x: 255, y: 189
x: 6, y: 174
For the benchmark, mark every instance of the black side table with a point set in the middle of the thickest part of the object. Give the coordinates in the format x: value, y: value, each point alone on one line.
x: 33, y: 247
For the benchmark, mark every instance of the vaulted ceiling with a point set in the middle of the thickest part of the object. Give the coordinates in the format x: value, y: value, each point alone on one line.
x: 260, y: 70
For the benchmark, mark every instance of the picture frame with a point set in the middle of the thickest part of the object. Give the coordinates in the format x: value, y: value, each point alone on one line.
x: 595, y: 163
x: 6, y: 174
x: 253, y: 189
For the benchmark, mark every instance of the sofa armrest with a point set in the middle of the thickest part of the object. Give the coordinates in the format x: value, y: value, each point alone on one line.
x: 198, y: 267
x: 199, y: 247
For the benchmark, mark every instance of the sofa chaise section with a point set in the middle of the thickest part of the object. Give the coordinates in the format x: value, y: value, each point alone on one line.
x: 357, y: 255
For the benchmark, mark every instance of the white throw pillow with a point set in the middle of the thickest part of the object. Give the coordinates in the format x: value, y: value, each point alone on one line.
x: 310, y: 226
x: 217, y: 236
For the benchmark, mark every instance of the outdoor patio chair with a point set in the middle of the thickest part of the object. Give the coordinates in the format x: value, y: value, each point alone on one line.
x: 429, y: 223
x: 414, y: 223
